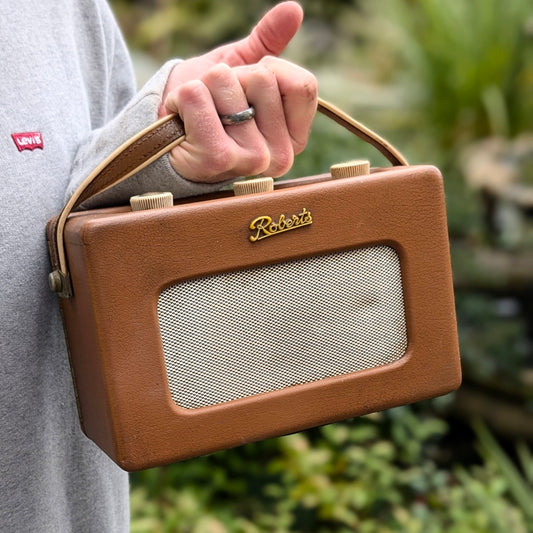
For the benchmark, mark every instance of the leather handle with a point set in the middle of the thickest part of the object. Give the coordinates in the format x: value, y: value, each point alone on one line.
x: 162, y: 136
x: 147, y: 146
x: 346, y: 121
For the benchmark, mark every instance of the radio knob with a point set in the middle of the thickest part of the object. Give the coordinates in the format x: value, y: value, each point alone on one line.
x: 151, y: 200
x: 350, y: 169
x: 253, y: 186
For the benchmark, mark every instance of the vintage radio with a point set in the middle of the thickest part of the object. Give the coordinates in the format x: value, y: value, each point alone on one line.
x: 221, y: 320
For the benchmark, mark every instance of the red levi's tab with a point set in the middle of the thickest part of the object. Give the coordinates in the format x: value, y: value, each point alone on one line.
x: 28, y: 140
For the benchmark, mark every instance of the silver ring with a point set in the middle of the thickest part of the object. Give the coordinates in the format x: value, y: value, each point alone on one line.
x: 238, y: 118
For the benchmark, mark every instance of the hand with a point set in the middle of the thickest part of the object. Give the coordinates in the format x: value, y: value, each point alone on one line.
x: 229, y: 79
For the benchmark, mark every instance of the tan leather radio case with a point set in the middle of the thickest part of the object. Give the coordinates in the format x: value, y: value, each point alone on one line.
x: 307, y: 349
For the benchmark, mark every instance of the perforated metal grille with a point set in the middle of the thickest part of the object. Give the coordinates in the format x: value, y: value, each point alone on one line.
x: 239, y: 334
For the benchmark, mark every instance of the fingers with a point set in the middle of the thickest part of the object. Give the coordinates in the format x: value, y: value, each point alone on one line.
x: 298, y: 89
x: 207, y: 153
x: 284, y: 97
x: 230, y: 97
x: 262, y: 91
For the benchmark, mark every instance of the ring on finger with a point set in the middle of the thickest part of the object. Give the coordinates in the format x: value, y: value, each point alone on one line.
x: 238, y: 118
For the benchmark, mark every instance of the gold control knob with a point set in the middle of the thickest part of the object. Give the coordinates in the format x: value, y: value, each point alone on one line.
x: 350, y: 169
x: 253, y: 186
x: 151, y: 200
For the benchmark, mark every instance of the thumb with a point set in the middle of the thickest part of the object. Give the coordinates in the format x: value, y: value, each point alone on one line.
x: 270, y: 36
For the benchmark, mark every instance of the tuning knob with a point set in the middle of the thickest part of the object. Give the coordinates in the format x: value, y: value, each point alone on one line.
x: 151, y: 200
x: 253, y: 186
x: 351, y: 169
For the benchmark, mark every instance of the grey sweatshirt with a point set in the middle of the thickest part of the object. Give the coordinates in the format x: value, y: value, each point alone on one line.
x: 66, y: 86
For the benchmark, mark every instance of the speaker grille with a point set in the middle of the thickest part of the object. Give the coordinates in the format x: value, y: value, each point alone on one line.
x: 239, y: 334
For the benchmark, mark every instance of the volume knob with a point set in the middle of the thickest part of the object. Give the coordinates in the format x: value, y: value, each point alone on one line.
x: 151, y: 200
x: 253, y: 186
x: 351, y: 169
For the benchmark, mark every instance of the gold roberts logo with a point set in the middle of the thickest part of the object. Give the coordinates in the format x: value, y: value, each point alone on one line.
x: 264, y: 226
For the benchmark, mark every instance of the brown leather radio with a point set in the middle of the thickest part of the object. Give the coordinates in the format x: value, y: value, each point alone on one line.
x: 219, y: 320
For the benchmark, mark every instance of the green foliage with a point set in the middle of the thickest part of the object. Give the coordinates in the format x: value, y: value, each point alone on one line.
x: 375, y: 474
x: 467, y: 64
x: 520, y: 484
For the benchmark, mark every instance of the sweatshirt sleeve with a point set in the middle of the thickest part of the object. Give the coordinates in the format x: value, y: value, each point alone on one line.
x: 138, y: 113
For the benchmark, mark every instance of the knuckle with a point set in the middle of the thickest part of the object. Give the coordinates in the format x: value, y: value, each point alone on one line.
x: 271, y: 62
x: 299, y: 145
x: 218, y: 72
x: 282, y: 161
x: 219, y: 160
x: 255, y: 159
x: 263, y: 76
x: 191, y: 92
x: 258, y: 159
x: 304, y: 86
x: 308, y: 86
x: 296, y: 79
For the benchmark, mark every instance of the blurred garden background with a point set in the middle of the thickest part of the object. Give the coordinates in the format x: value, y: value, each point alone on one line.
x: 449, y: 83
